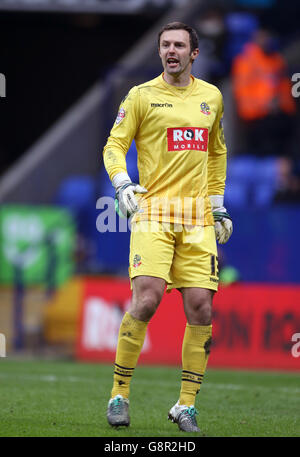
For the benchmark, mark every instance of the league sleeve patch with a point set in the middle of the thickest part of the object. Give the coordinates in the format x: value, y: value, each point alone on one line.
x: 221, y: 128
x: 120, y: 116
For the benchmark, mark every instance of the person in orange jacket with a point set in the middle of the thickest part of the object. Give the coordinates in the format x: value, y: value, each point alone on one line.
x: 262, y: 92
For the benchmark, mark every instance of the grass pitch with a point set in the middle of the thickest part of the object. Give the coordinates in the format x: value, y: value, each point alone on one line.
x: 69, y: 399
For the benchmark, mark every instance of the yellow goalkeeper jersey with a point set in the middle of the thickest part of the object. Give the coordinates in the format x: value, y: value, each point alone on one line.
x: 181, y: 149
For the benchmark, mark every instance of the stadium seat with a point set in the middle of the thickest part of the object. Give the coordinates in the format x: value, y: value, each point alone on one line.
x: 267, y: 169
x: 263, y: 194
x: 242, y: 168
x: 266, y: 181
x: 237, y: 193
x: 240, y: 27
x: 78, y: 195
x: 76, y: 192
x: 251, y: 181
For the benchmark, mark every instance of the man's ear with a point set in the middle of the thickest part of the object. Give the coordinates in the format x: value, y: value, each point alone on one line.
x: 194, y: 54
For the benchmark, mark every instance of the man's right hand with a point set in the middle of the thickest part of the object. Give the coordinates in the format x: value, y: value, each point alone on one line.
x: 223, y: 222
x: 125, y: 201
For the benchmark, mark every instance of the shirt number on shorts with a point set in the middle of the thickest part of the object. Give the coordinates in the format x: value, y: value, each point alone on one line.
x: 213, y: 265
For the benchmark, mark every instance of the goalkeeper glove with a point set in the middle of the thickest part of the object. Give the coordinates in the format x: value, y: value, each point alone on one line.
x: 223, y: 222
x: 125, y: 202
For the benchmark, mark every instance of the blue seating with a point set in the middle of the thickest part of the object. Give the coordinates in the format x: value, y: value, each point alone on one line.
x: 240, y: 27
x: 242, y: 168
x: 76, y: 192
x: 251, y: 181
x: 78, y: 195
x: 267, y: 169
x: 264, y: 194
x: 236, y: 194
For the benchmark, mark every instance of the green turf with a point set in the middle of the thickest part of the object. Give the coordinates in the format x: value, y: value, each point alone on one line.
x: 50, y: 399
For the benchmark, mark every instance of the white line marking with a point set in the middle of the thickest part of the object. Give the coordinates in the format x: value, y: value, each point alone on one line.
x: 209, y: 385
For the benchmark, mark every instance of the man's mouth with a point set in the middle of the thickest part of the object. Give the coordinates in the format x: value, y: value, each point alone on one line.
x: 172, y: 62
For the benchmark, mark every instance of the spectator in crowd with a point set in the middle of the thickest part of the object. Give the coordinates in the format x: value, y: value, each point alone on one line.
x: 288, y: 181
x: 262, y: 91
x: 210, y: 64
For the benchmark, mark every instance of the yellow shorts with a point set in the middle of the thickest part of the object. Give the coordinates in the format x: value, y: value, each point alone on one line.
x: 182, y: 256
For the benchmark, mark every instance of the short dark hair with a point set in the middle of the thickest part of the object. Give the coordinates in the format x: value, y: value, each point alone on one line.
x: 194, y: 40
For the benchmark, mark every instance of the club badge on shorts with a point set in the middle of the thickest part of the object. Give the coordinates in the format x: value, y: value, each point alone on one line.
x: 137, y: 261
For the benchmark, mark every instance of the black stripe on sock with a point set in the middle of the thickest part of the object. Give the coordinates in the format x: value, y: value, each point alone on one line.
x: 124, y: 368
x: 124, y: 375
x: 192, y: 372
x: 190, y: 380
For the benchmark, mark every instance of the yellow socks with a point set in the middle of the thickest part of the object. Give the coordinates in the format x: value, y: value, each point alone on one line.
x: 195, y: 352
x: 130, y: 342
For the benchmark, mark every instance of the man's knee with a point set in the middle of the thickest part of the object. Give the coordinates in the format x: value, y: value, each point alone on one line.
x: 199, y: 313
x: 147, y: 294
x: 204, y: 312
x: 198, y: 306
x: 149, y: 302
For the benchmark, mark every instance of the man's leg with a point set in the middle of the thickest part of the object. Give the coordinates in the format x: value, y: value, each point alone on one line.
x: 195, y: 351
x: 146, y: 296
x: 196, y: 342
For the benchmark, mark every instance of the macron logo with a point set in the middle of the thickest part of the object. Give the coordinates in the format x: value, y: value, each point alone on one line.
x: 161, y: 105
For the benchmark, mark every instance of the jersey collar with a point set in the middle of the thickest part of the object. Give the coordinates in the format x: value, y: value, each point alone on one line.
x: 181, y: 92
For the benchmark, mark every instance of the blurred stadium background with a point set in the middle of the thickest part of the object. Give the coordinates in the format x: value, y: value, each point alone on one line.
x: 65, y: 67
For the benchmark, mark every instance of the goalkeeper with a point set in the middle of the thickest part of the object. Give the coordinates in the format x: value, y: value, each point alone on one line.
x: 177, y: 212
